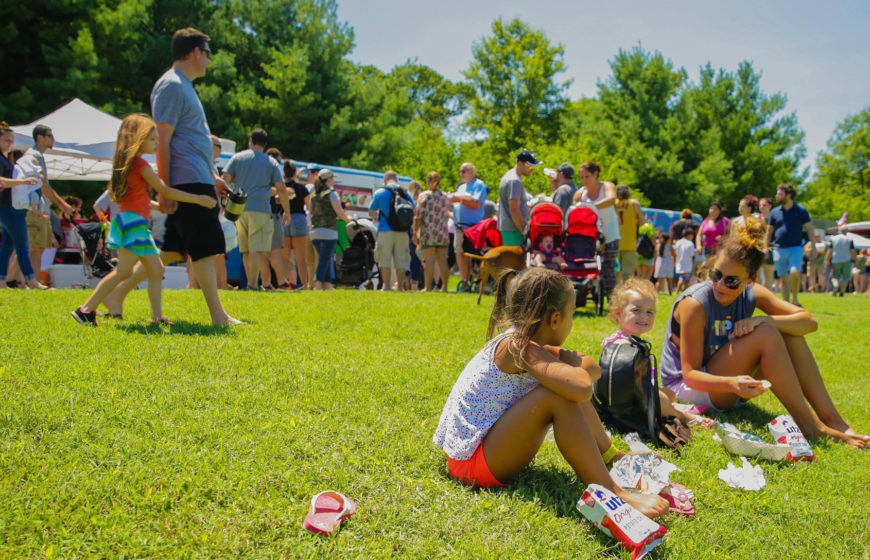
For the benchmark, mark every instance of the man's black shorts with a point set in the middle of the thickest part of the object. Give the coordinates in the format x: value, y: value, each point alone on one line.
x: 193, y: 229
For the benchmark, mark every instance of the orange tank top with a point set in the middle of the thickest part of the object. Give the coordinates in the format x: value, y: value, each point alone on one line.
x: 136, y: 198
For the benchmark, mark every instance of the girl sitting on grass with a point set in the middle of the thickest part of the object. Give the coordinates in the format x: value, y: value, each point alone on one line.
x: 129, y: 233
x: 520, y: 383
x: 716, y: 353
x: 633, y: 308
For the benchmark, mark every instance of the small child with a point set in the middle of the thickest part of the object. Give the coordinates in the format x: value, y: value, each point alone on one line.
x: 546, y: 253
x: 664, y: 268
x: 129, y: 233
x: 633, y: 308
x: 521, y: 383
x: 685, y: 259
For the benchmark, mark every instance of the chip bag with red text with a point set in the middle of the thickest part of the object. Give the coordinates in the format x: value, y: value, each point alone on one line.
x: 637, y: 533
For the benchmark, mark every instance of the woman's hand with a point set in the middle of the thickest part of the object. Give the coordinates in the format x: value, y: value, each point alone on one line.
x: 746, y: 326
x: 747, y: 387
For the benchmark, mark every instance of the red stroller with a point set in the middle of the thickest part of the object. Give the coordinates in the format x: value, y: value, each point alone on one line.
x: 583, y: 253
x: 545, y: 219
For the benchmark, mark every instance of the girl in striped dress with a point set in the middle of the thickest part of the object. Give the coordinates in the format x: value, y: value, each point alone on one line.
x: 129, y: 233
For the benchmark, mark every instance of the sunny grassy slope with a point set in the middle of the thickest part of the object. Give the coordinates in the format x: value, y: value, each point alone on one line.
x: 127, y: 441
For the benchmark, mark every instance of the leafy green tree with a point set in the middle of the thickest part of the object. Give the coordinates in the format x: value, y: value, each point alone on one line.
x: 842, y: 181
x: 747, y: 146
x: 640, y: 104
x: 514, y: 95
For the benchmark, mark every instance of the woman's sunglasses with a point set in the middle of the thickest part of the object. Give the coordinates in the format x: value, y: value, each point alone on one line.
x: 731, y: 282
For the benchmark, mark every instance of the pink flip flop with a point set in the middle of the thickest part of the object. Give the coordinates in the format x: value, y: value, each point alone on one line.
x: 678, y: 497
x: 328, y: 510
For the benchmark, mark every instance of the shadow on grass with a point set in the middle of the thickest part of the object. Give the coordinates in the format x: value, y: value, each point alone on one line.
x: 181, y: 327
x: 551, y: 487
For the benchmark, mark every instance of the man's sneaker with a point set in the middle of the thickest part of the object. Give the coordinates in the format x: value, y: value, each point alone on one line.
x: 85, y: 317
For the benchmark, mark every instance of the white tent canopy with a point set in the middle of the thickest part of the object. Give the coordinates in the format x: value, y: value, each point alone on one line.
x: 84, y: 142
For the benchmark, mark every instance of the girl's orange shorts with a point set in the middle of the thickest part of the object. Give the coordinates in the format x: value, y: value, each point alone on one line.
x: 473, y: 471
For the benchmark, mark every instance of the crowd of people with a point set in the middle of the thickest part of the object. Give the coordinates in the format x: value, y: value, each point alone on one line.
x: 288, y: 232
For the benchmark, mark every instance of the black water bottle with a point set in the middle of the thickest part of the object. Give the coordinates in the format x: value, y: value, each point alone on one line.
x: 235, y: 205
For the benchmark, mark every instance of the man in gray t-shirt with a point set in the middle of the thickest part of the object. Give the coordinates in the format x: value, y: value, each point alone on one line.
x: 513, y: 210
x: 184, y: 161
x: 256, y: 173
x: 563, y: 197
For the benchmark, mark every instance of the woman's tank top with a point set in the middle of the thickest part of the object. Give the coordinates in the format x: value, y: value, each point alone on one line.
x: 717, y: 329
x: 609, y: 222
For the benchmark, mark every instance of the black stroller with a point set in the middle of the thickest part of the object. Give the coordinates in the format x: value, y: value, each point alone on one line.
x: 95, y: 258
x: 356, y: 264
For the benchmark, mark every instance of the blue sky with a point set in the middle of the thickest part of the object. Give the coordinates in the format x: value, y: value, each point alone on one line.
x: 817, y: 53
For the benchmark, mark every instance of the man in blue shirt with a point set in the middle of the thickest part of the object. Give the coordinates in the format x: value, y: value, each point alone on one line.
x: 393, y: 250
x: 468, y: 206
x: 254, y: 172
x: 787, y: 225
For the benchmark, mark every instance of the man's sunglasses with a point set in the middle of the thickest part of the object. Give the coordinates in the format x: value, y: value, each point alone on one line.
x: 731, y: 282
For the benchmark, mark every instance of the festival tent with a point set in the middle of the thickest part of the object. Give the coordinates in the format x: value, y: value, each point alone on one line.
x: 84, y: 142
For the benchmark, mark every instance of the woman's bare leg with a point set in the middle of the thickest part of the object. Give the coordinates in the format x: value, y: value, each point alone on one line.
x: 441, y: 256
x: 300, y: 246
x: 764, y: 347
x: 428, y: 268
x: 812, y: 384
x: 516, y: 437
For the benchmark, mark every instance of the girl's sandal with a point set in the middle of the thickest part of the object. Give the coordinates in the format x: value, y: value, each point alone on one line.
x: 161, y: 321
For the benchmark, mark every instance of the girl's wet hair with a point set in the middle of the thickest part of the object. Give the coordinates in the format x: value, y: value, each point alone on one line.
x: 746, y: 245
x: 523, y: 300
x: 622, y: 295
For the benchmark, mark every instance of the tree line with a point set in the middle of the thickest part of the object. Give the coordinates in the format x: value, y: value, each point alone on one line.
x: 283, y: 65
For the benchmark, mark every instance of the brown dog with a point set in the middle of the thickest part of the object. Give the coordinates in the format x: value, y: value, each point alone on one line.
x: 498, y: 258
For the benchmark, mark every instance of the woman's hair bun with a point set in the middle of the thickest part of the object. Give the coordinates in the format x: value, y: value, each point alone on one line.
x: 751, y: 233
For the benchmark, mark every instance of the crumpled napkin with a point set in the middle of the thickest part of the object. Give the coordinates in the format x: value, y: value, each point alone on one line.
x: 747, y: 477
x: 648, y: 474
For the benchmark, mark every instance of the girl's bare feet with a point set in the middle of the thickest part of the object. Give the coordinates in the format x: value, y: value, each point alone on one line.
x: 651, y: 506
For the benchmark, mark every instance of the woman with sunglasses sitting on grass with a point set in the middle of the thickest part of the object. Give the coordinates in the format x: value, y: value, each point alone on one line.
x: 717, y: 354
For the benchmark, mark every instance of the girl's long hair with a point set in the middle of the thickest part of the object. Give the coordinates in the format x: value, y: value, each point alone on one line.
x: 665, y: 240
x: 134, y: 130
x: 523, y: 300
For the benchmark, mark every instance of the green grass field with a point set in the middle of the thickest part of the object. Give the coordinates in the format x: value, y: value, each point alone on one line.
x: 126, y: 441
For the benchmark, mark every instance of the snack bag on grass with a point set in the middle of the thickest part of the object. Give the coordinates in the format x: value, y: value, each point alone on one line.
x: 637, y: 533
x: 785, y: 431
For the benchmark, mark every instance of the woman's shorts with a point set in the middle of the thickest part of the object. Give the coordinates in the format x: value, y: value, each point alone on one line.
x: 130, y: 231
x: 685, y: 277
x: 298, y: 226
x: 473, y: 471
x: 686, y: 394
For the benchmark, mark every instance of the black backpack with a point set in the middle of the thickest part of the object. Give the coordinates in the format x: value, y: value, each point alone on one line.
x: 401, y: 216
x: 627, y: 394
x: 645, y: 247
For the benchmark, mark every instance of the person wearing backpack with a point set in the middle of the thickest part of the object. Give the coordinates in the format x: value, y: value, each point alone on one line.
x: 393, y: 210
